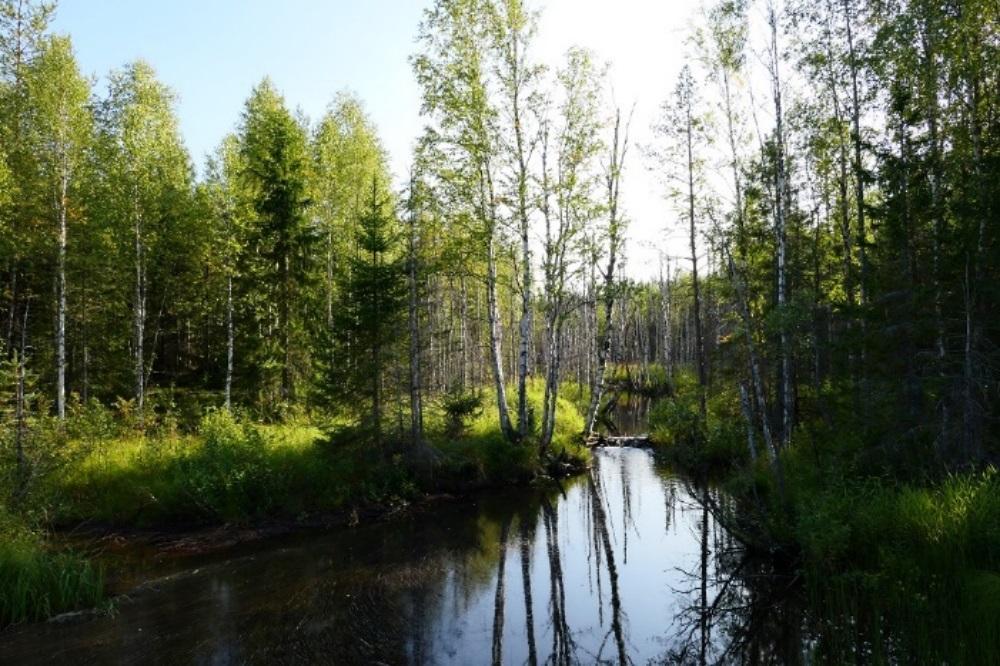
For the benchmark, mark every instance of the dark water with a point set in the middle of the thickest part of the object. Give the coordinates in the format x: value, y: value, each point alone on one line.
x: 625, y: 563
x: 626, y: 414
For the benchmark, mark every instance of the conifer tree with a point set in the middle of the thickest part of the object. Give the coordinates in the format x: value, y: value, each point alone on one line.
x: 370, y: 312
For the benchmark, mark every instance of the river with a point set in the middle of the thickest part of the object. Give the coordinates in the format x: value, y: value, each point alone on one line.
x: 623, y: 563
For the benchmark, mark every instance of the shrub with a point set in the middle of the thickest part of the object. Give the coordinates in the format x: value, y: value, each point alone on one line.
x: 676, y: 423
x: 228, y: 476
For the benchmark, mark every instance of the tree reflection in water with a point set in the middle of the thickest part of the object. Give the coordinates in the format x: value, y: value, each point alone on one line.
x: 527, y: 539
x: 603, y: 540
x: 754, y: 610
x: 498, y: 604
x: 624, y: 564
x: 562, y: 640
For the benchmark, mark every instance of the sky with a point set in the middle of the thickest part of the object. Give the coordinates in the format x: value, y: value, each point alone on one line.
x: 212, y: 52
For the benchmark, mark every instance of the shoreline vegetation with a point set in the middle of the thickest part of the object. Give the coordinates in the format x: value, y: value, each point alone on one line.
x: 291, y: 332
x: 905, y: 562
x: 226, y: 480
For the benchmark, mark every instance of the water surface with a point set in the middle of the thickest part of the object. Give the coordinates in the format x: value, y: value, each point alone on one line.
x: 622, y: 564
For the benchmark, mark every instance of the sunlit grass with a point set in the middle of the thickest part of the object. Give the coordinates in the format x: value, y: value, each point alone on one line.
x: 481, y: 451
x: 232, y: 470
x: 228, y: 470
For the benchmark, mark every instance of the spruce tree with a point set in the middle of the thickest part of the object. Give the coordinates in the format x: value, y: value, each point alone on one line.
x: 370, y: 313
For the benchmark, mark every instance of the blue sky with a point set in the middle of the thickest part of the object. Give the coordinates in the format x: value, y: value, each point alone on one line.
x: 212, y: 52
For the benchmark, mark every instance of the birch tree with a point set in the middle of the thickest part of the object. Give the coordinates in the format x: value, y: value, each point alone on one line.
x: 614, y: 233
x: 62, y: 129
x: 513, y: 31
x: 451, y: 69
x: 148, y: 177
x: 570, y: 205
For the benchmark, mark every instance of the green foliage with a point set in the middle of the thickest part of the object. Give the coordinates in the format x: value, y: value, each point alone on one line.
x: 459, y: 407
x: 914, y: 565
x: 36, y: 583
x: 277, y: 266
x: 481, y: 453
x: 651, y: 380
x: 369, y: 314
x: 676, y: 425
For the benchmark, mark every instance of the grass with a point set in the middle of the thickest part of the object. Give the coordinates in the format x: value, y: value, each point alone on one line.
x: 899, y: 565
x: 480, y: 451
x: 36, y: 583
x: 228, y: 471
x: 99, y: 468
x: 916, y: 568
x: 231, y: 470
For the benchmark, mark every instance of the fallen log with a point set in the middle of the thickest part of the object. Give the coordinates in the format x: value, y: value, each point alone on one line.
x: 636, y: 441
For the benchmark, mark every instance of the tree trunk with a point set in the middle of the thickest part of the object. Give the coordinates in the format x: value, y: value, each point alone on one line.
x: 756, y: 378
x: 284, y: 323
x: 61, y: 295
x: 613, y: 180
x: 524, y: 327
x: 748, y: 417
x: 230, y: 342
x: 416, y: 406
x: 937, y: 214
x: 139, y: 319
x: 496, y: 352
x: 859, y: 183
x: 780, y: 186
x: 699, y: 341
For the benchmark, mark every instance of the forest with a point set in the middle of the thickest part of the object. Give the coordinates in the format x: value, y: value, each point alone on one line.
x: 291, y: 333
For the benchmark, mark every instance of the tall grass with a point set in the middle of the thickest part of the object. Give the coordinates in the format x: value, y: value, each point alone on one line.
x: 899, y: 566
x: 915, y: 570
x: 232, y: 470
x: 36, y: 583
x: 481, y: 453
x: 107, y: 471
x: 228, y: 471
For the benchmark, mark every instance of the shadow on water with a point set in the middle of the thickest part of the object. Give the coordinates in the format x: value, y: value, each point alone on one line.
x: 625, y: 564
x: 625, y: 414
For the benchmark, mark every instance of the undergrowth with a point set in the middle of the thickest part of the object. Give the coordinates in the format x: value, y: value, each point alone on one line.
x: 899, y: 565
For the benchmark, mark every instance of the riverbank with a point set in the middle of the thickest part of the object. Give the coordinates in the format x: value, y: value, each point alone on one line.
x: 230, y: 480
x: 605, y: 563
x: 906, y: 563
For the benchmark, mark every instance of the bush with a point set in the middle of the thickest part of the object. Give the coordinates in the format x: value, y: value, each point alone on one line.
x: 229, y: 476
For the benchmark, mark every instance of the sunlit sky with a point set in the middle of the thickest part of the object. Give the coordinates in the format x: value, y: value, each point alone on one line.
x: 212, y: 52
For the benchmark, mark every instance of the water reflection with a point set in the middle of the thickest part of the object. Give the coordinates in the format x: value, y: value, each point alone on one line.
x: 626, y: 564
x: 626, y: 414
